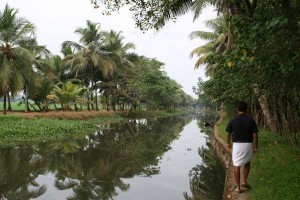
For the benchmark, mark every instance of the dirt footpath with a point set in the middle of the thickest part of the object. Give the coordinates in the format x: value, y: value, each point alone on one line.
x: 225, y: 156
x: 65, y: 114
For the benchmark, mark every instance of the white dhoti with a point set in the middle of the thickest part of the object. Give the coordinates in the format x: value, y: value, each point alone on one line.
x: 241, y: 153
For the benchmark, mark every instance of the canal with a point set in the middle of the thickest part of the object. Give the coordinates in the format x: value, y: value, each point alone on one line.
x: 145, y: 159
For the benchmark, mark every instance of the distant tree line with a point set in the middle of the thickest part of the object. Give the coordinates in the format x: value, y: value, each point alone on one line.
x: 99, y: 71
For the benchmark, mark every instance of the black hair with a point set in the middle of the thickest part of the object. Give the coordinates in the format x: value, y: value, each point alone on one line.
x: 241, y: 106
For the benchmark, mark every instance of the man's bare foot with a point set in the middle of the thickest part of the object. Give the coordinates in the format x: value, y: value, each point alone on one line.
x: 245, y: 185
x: 237, y: 189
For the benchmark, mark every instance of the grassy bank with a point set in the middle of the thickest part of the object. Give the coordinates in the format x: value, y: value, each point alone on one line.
x: 275, y: 171
x: 19, y: 127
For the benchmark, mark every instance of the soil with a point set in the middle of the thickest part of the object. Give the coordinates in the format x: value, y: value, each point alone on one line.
x: 65, y: 114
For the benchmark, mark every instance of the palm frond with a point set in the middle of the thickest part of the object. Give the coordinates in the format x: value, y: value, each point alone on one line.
x: 202, y: 60
x: 203, y: 35
x: 128, y: 46
x: 197, y: 7
x: 71, y: 44
x: 16, y: 83
x: 207, y: 48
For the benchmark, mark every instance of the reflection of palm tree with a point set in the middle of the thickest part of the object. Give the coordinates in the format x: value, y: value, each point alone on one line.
x: 93, y: 167
x: 25, y: 193
x: 92, y: 175
x: 18, y: 171
x: 97, y: 172
x: 66, y: 146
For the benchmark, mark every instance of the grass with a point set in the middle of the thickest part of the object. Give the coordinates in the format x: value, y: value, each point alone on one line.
x: 275, y: 171
x: 16, y: 107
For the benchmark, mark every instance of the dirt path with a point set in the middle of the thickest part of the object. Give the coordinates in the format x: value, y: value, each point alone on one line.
x: 65, y: 114
x: 229, y: 193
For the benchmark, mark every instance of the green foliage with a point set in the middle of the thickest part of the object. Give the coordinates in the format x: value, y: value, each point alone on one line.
x: 16, y: 129
x: 15, y: 61
x: 154, y: 89
x: 204, y: 101
x: 261, y: 67
x: 155, y: 14
x: 68, y: 94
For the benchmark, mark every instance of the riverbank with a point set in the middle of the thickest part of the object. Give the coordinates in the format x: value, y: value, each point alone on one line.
x: 274, y: 172
x: 20, y: 127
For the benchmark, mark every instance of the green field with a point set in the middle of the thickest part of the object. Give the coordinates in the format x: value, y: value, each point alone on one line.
x: 275, y: 171
x: 16, y: 107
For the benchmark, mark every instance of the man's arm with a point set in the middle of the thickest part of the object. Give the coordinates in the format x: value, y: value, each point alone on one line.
x: 228, y: 140
x: 255, y: 143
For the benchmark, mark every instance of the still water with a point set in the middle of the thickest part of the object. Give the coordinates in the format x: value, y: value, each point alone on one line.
x: 154, y: 159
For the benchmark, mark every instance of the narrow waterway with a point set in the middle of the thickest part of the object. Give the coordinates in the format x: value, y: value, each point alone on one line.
x: 161, y: 159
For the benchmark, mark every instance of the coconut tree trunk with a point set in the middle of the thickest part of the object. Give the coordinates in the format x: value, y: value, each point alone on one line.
x: 263, y: 102
x: 267, y: 113
x: 4, y: 104
x: 8, y: 101
x: 88, y: 103
x: 26, y: 97
x: 222, y: 112
x: 32, y: 106
x: 54, y: 104
x: 92, y: 100
x: 106, y: 96
x: 96, y: 97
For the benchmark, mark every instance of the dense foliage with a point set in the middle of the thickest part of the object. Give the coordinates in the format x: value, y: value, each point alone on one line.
x: 99, y: 69
x: 253, y: 54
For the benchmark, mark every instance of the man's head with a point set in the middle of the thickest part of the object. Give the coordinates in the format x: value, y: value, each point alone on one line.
x: 241, y: 106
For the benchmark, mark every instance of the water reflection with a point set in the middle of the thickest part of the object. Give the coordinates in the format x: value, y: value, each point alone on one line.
x: 207, y: 178
x: 18, y: 170
x: 112, y: 160
x: 92, y: 167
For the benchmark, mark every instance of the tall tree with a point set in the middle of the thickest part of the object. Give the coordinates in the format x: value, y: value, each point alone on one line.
x: 88, y: 58
x: 15, y: 60
x: 113, y: 42
x: 220, y: 40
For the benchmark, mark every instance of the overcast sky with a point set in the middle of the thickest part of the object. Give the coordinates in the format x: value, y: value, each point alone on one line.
x: 56, y: 21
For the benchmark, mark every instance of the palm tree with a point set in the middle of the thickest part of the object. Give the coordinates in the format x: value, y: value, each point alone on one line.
x: 68, y: 93
x: 88, y: 58
x: 39, y: 52
x: 220, y: 40
x: 113, y: 42
x: 15, y: 60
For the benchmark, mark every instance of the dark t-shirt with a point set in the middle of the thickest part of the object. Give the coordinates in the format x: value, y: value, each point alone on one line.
x: 242, y: 128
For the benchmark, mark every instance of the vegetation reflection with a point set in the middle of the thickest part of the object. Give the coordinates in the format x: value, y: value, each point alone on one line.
x: 202, y: 184
x: 93, y: 167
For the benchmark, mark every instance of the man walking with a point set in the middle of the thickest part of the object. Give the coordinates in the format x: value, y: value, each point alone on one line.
x: 242, y: 129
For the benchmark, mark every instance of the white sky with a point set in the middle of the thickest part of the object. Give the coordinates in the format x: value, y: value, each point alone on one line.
x: 56, y: 21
